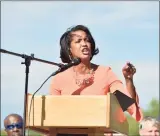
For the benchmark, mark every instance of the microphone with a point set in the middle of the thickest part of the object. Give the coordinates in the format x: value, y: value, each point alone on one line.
x: 74, y: 62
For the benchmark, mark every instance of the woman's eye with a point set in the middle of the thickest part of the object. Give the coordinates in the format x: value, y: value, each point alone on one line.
x: 79, y: 40
x: 87, y: 40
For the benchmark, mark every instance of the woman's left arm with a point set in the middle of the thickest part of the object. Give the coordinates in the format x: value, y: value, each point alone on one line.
x: 130, y: 90
x: 128, y: 71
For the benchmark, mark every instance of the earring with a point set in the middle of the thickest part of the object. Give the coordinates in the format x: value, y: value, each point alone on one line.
x: 70, y: 57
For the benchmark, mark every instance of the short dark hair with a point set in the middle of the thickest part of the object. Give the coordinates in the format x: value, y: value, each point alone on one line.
x: 65, y: 41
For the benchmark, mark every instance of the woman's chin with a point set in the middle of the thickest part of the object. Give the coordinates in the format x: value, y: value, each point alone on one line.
x: 85, y: 58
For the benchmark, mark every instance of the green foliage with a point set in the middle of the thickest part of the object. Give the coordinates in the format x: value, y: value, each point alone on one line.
x: 3, y: 133
x: 153, y: 109
x: 31, y: 133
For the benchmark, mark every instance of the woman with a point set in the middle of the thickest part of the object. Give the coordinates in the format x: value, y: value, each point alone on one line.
x: 88, y: 78
x: 149, y: 126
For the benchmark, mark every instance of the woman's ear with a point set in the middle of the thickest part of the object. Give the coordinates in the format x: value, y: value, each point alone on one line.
x: 69, y: 53
x: 70, y: 49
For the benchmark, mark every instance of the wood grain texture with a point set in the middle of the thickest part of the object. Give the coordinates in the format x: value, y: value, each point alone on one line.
x: 101, y: 114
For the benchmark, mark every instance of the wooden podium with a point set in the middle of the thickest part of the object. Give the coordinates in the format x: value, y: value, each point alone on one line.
x: 78, y: 114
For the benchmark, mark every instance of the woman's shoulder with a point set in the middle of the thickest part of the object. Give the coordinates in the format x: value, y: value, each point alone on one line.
x: 62, y: 75
x: 101, y: 68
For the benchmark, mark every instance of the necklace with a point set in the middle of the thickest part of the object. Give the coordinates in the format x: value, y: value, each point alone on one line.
x: 84, y: 80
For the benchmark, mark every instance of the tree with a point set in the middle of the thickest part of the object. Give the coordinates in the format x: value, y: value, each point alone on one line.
x: 153, y: 109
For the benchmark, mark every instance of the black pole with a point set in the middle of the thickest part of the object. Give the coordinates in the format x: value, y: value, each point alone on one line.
x: 32, y: 56
x: 27, y: 64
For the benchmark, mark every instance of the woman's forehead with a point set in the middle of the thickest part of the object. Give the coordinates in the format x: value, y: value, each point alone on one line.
x: 78, y: 34
x: 152, y: 128
x: 150, y: 125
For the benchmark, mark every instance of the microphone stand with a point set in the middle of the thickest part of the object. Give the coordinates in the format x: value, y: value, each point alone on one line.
x: 27, y: 63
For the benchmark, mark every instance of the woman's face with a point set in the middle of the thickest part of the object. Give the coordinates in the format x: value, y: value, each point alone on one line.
x: 80, y: 46
x: 151, y: 131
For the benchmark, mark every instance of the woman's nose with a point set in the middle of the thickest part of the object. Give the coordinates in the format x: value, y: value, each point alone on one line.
x: 84, y: 43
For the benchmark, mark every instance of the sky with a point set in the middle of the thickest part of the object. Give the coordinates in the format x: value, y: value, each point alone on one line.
x: 123, y: 31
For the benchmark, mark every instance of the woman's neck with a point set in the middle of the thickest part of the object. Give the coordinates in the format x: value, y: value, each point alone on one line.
x: 83, y: 68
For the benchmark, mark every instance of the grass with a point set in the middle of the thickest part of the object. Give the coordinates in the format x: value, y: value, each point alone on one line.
x: 31, y: 133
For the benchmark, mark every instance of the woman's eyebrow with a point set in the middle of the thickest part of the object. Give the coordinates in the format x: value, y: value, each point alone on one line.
x: 76, y: 35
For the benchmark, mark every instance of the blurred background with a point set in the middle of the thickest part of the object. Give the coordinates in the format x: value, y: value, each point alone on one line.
x: 123, y: 31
